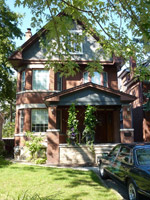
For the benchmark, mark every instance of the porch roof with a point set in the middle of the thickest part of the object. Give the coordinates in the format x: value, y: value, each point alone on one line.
x: 89, y: 93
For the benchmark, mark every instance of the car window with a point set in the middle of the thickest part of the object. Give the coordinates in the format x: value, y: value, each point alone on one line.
x: 143, y: 156
x: 125, y: 155
x: 114, y: 152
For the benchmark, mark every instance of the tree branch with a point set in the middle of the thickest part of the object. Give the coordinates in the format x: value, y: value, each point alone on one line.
x: 91, y: 13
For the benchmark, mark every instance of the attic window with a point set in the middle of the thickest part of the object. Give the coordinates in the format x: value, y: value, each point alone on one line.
x: 72, y: 46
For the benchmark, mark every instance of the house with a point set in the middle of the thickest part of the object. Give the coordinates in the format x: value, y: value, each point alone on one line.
x: 1, y: 125
x: 43, y: 97
x: 140, y: 117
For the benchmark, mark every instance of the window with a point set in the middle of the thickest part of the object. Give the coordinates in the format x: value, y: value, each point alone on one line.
x: 96, y: 78
x: 59, y: 81
x: 40, y: 80
x: 21, y: 120
x: 124, y: 155
x: 39, y: 119
x: 72, y: 46
x: 85, y: 77
x: 23, y: 81
x: 105, y: 79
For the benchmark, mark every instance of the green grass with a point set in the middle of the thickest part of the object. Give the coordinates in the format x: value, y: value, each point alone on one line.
x: 24, y: 182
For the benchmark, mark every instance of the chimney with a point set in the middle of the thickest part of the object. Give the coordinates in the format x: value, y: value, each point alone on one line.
x: 28, y: 34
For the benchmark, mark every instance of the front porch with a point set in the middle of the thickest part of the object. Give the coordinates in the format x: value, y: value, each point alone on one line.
x: 108, y: 103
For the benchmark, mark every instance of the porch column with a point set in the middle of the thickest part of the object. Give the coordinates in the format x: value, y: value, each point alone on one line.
x: 52, y: 138
x: 127, y: 132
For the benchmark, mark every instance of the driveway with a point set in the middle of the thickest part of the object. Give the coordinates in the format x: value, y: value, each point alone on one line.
x: 116, y: 186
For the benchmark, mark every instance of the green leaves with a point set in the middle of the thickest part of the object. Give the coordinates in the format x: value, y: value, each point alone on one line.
x: 8, y: 31
x: 72, y: 125
x: 90, y: 124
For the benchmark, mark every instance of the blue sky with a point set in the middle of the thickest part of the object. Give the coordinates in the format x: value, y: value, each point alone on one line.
x: 26, y: 21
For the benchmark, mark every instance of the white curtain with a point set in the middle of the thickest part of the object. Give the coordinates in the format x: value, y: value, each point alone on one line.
x: 40, y: 80
x: 39, y: 116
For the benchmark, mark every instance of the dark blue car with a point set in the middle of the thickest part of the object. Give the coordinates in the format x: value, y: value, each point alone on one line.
x: 130, y: 164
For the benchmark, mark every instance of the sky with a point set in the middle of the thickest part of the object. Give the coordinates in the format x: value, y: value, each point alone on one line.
x: 26, y: 21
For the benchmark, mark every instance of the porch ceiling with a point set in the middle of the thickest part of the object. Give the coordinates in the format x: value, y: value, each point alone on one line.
x: 89, y: 93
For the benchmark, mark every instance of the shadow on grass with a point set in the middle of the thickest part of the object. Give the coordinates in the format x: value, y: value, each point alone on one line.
x: 4, y: 163
x: 73, y: 178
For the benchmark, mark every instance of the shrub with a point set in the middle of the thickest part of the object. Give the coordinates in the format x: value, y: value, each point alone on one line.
x: 9, y: 129
x: 35, y: 146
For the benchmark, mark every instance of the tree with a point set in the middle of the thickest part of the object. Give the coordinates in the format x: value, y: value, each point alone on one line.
x: 8, y: 31
x: 114, y: 22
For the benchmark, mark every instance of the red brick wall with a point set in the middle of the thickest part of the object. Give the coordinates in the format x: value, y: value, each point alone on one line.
x: 31, y: 97
x: 28, y: 85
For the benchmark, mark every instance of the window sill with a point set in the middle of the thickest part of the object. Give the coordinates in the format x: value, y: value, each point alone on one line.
x: 37, y: 91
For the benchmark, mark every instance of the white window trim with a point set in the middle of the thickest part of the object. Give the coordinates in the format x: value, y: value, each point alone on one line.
x: 23, y: 106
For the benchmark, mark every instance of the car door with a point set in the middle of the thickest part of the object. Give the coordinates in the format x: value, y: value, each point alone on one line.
x: 109, y: 167
x: 123, y: 163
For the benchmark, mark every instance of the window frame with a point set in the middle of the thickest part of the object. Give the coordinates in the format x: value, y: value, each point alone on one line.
x: 48, y: 77
x: 101, y: 76
x: 73, y: 32
x: 46, y: 127
x: 21, y: 119
x: 23, y: 80
x: 61, y: 81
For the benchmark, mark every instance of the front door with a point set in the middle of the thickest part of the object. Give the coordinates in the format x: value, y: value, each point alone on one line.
x: 104, y: 128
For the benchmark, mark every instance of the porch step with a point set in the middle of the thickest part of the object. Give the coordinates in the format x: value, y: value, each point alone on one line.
x: 103, y: 148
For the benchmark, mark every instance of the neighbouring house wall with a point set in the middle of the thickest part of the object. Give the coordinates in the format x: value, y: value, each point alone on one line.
x: 137, y: 110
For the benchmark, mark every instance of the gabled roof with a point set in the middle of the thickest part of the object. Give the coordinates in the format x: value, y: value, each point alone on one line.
x: 17, y: 59
x: 124, y: 98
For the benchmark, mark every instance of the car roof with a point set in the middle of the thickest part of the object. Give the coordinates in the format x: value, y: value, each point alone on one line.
x: 135, y: 145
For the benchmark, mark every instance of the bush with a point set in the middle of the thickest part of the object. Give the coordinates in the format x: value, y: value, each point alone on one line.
x: 9, y: 129
x: 36, y: 149
x: 40, y: 161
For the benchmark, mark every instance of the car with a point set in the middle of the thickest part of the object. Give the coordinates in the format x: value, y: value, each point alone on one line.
x: 130, y: 164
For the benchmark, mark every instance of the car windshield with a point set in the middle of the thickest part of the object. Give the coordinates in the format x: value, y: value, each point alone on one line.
x: 143, y: 156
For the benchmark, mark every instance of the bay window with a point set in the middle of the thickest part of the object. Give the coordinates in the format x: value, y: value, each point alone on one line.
x: 40, y: 80
x: 39, y: 120
x: 23, y: 81
x: 21, y: 120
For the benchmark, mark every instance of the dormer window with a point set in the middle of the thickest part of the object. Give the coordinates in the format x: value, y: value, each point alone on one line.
x: 23, y: 81
x: 97, y: 78
x: 40, y: 80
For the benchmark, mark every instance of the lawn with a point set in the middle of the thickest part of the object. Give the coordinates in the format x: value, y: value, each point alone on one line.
x: 24, y: 182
